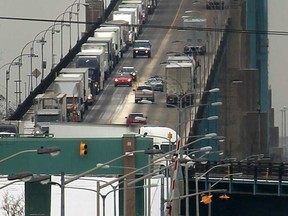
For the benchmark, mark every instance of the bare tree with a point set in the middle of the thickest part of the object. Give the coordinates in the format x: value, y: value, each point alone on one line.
x: 13, y: 206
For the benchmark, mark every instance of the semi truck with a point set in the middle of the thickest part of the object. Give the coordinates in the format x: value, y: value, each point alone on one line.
x: 129, y: 17
x: 137, y: 13
x: 104, y: 65
x: 94, y: 61
x: 195, y: 35
x: 11, y: 128
x: 165, y: 139
x: 109, y: 49
x: 179, y: 84
x: 48, y: 107
x: 73, y: 88
x: 142, y: 4
x: 89, y: 92
x: 115, y: 34
x: 124, y: 32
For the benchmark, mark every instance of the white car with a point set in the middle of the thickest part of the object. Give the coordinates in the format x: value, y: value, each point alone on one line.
x: 156, y: 83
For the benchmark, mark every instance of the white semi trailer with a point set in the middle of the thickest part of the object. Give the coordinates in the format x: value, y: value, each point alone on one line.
x: 179, y: 84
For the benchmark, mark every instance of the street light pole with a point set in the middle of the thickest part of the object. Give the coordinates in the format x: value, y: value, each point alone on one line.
x: 52, y: 150
x: 42, y: 41
x: 61, y: 31
x: 176, y: 166
x: 99, y: 166
x: 8, y: 78
x: 62, y: 187
x: 196, y: 185
x: 283, y: 110
x: 6, y: 87
x: 52, y: 44
x: 211, y: 186
x: 187, y: 165
x: 114, y: 187
x: 31, y: 71
x: 20, y: 64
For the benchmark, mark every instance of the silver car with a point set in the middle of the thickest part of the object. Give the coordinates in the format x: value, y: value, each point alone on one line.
x: 156, y: 83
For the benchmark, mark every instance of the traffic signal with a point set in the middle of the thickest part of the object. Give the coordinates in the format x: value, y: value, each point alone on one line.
x: 83, y: 149
x: 206, y: 199
x: 224, y: 196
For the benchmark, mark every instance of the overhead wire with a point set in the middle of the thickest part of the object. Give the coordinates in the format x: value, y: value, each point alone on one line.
x: 248, y: 31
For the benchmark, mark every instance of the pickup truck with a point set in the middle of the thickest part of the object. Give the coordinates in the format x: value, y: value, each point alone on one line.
x: 144, y: 92
x: 141, y: 48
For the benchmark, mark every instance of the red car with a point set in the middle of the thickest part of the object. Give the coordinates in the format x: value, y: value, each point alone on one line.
x: 136, y: 118
x: 123, y: 79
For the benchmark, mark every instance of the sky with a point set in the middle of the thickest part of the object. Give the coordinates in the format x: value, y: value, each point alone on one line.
x: 278, y: 46
x: 17, y: 35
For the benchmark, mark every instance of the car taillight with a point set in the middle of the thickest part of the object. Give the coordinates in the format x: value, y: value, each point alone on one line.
x: 116, y: 80
x: 146, y: 51
x: 129, y: 80
x: 136, y: 51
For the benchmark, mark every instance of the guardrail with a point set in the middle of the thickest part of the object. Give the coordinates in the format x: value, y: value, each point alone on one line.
x: 255, y: 170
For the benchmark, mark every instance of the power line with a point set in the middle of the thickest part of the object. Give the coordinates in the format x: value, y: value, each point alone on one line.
x: 284, y: 33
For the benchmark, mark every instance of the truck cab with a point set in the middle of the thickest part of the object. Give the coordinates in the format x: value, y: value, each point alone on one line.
x: 142, y: 48
x: 92, y: 62
x: 48, y: 107
x: 8, y: 130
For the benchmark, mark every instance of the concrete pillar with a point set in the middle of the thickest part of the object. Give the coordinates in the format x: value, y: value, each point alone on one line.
x: 129, y: 144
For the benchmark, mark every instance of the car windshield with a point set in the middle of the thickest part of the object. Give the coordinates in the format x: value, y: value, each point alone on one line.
x: 127, y: 69
x: 141, y: 44
x: 144, y: 87
x: 134, y: 115
x: 7, y: 128
x: 155, y: 80
x: 123, y: 75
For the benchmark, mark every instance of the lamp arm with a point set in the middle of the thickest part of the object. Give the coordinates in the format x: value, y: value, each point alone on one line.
x: 18, y: 153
